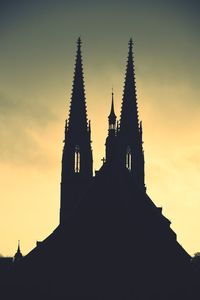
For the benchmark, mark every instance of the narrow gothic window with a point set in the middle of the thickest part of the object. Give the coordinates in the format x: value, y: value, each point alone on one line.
x: 112, y: 126
x: 128, y: 158
x: 77, y: 159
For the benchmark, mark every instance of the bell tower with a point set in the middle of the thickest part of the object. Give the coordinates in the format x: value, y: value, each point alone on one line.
x: 77, y: 160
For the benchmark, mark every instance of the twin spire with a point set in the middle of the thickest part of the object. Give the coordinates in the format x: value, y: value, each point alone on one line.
x: 123, y: 144
x: 129, y: 111
x: 77, y: 162
x: 78, y: 111
x: 129, y: 120
x: 123, y: 138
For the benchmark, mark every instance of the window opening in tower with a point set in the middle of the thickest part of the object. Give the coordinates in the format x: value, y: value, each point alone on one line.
x: 77, y: 159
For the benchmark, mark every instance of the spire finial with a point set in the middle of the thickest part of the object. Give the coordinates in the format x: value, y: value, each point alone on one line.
x: 112, y: 103
x: 79, y: 42
x: 130, y: 43
x: 112, y: 116
x: 112, y: 98
x: 19, y: 244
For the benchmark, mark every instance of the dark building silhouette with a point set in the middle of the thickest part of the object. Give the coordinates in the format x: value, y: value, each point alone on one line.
x: 77, y: 153
x: 112, y: 241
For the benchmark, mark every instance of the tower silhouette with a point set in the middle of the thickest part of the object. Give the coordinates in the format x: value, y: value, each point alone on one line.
x: 77, y: 152
x: 130, y: 131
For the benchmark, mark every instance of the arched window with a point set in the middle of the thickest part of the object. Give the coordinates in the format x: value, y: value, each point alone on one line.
x: 111, y: 126
x: 128, y: 158
x: 77, y: 159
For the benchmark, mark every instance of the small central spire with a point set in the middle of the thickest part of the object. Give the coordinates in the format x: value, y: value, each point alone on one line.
x: 111, y: 138
x: 112, y: 117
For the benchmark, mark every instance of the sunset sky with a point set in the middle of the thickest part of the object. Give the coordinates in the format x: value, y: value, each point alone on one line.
x: 37, y: 54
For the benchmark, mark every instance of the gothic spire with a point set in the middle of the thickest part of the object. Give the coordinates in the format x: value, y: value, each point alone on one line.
x: 78, y: 113
x: 77, y: 151
x: 129, y: 112
x: 129, y: 135
x: 112, y: 117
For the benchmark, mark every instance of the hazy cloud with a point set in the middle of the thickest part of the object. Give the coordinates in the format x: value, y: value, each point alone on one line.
x: 21, y: 121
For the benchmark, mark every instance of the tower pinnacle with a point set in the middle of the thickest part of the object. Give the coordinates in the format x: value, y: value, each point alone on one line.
x: 78, y: 111
x: 129, y: 111
x: 112, y: 117
x: 130, y: 131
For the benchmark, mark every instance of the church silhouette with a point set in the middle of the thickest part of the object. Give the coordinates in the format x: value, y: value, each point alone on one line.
x: 112, y: 241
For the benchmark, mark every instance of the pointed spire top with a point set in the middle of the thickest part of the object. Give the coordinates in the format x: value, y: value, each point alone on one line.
x: 78, y: 112
x: 112, y: 104
x: 78, y: 53
x: 79, y: 42
x: 112, y: 117
x: 18, y: 248
x: 129, y: 112
x: 18, y: 255
x: 130, y: 53
x: 130, y: 44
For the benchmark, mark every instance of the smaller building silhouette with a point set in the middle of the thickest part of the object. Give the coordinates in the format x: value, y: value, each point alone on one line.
x: 18, y: 255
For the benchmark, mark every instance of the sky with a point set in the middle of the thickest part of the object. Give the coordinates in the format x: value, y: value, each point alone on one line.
x: 37, y: 54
